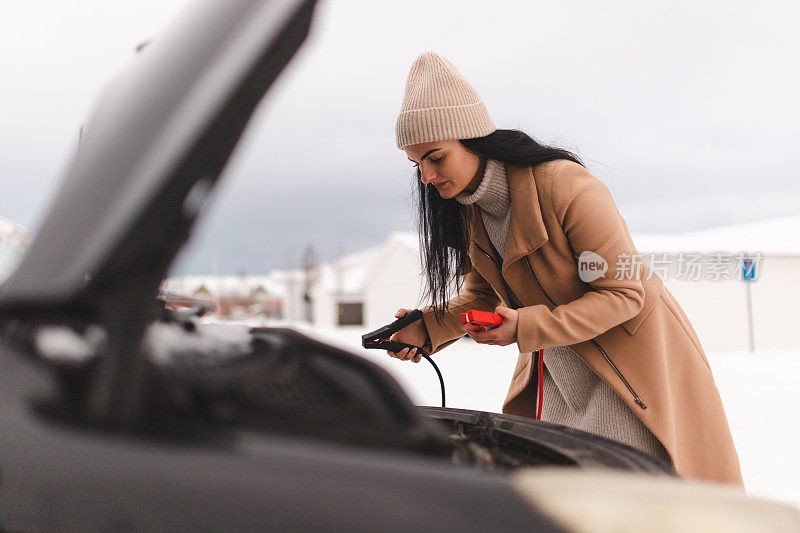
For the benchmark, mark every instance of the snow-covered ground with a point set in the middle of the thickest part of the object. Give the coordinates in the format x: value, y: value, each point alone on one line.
x: 759, y: 391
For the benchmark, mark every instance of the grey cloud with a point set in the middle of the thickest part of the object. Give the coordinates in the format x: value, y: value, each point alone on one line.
x: 687, y: 111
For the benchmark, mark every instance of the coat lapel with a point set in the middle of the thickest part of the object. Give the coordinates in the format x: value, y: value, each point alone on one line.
x: 527, y: 231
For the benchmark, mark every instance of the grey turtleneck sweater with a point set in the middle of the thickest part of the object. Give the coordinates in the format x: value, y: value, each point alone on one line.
x: 573, y: 395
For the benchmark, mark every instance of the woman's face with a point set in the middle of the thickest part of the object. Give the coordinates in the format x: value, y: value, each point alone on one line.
x: 448, y: 165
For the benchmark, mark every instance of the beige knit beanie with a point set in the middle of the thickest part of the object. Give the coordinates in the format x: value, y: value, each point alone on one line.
x: 440, y: 105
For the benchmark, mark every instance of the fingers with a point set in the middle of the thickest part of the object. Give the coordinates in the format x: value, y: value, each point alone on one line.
x: 400, y: 312
x: 502, y: 311
x: 483, y: 337
x: 406, y: 354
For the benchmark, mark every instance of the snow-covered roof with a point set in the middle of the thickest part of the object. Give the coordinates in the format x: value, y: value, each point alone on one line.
x: 346, y: 275
x: 774, y: 236
x: 777, y: 236
x: 349, y: 274
x: 228, y: 286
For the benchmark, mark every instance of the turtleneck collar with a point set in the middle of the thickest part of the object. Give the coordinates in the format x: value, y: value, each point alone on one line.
x: 492, y: 195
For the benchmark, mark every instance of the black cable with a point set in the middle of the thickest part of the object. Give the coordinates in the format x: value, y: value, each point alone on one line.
x: 379, y: 340
x: 441, y: 379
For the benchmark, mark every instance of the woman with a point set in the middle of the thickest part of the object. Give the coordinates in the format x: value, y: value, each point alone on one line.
x: 540, y: 242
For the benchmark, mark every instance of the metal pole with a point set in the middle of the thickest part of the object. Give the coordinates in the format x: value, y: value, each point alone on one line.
x: 751, y: 338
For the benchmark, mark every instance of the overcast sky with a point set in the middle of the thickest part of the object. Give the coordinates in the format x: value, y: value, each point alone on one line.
x: 687, y: 110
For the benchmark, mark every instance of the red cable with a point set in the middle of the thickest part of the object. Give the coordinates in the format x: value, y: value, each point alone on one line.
x: 541, y: 381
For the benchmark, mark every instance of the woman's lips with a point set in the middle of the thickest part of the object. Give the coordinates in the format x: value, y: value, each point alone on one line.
x: 438, y: 185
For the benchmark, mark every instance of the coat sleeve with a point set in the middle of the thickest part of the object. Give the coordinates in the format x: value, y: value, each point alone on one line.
x: 477, y: 294
x: 591, y: 223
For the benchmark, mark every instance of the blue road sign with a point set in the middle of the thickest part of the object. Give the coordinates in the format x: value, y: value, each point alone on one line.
x: 749, y: 269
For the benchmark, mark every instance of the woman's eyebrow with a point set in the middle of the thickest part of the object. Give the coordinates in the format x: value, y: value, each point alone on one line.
x: 429, y: 152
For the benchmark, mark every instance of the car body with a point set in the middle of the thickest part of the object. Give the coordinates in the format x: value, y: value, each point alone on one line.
x: 116, y: 413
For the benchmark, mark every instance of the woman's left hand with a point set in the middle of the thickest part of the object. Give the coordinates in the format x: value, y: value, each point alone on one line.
x: 502, y: 335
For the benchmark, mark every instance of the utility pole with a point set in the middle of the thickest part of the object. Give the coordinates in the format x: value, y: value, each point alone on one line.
x: 310, y: 275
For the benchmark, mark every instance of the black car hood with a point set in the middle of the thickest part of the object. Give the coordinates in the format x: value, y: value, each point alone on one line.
x: 152, y: 151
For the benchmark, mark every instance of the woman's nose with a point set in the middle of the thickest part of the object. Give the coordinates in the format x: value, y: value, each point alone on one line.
x: 427, y: 174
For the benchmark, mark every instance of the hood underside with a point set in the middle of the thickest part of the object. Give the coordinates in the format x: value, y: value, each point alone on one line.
x: 152, y: 151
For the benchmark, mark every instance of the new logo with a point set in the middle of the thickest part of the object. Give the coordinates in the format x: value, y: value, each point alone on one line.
x: 591, y: 266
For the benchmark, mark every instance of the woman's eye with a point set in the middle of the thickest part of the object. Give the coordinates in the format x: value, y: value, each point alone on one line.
x: 432, y: 160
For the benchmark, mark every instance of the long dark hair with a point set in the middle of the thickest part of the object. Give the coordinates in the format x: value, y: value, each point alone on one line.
x: 442, y: 224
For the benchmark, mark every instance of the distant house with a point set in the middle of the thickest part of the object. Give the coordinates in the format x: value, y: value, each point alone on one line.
x: 366, y: 289
x: 232, y: 297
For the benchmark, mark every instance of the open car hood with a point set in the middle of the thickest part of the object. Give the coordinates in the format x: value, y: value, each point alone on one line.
x: 151, y: 153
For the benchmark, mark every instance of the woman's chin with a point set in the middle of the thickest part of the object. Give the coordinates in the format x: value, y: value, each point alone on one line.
x: 445, y: 192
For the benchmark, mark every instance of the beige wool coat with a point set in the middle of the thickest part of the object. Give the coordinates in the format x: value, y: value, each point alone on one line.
x: 626, y: 326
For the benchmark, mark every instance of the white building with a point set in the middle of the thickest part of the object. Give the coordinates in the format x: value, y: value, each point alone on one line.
x: 277, y: 296
x: 367, y: 288
x: 732, y: 314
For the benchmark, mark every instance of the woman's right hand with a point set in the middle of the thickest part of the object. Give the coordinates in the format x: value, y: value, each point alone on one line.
x: 414, y: 334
